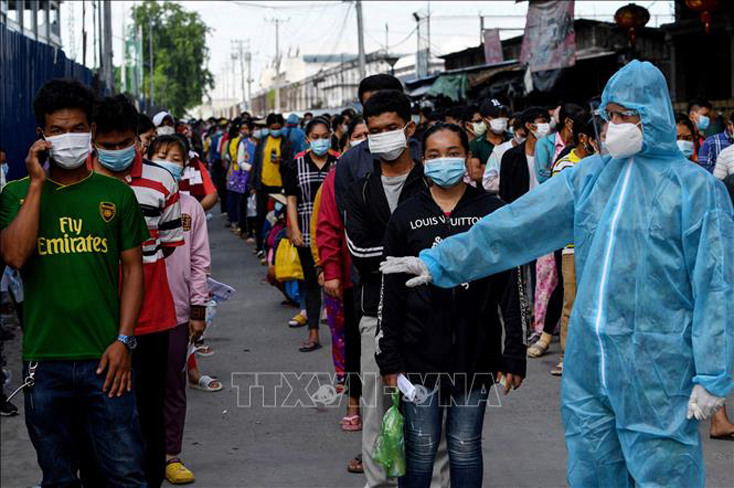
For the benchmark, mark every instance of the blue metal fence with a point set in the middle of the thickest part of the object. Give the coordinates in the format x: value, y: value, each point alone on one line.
x: 25, y: 65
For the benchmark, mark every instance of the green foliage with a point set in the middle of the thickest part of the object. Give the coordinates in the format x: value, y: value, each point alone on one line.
x: 180, y: 54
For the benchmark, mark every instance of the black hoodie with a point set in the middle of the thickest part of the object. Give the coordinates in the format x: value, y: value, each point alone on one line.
x: 427, y: 329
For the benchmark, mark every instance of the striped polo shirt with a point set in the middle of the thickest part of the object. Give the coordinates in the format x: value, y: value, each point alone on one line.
x: 158, y: 197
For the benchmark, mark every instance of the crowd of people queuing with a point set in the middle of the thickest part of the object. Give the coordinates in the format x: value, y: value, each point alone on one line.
x: 353, y: 199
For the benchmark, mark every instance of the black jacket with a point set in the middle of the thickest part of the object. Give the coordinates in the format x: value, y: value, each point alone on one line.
x: 286, y: 154
x: 514, y: 174
x: 427, y: 330
x: 367, y: 213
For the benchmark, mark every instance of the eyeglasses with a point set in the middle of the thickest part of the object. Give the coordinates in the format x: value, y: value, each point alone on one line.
x: 623, y: 114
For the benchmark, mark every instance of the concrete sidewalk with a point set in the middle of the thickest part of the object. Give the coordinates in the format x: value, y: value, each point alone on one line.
x: 230, y: 446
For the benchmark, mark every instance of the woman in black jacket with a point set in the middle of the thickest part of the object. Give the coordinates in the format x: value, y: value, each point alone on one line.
x: 447, y: 341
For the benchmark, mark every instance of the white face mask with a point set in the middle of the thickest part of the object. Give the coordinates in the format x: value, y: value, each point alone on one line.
x: 70, y: 150
x: 356, y: 142
x: 499, y: 125
x: 479, y: 128
x: 623, y: 140
x: 542, y: 130
x: 519, y: 139
x: 388, y: 146
x: 165, y: 130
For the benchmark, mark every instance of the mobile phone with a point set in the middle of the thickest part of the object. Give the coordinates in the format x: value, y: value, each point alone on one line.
x: 43, y: 155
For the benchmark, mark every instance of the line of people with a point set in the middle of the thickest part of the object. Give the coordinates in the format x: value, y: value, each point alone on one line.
x: 110, y: 236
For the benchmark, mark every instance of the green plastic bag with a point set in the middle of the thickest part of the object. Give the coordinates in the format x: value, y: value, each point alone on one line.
x: 389, y: 448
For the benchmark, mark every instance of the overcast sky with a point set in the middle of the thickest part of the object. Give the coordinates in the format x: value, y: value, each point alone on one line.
x: 324, y: 27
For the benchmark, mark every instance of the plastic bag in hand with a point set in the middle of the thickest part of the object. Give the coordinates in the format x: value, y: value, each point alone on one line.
x: 389, y: 448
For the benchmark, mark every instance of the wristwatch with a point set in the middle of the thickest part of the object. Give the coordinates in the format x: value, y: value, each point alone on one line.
x: 129, y: 341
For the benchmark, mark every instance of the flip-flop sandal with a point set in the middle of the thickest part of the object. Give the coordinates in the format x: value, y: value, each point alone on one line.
x: 297, y: 321
x: 205, y: 384
x: 725, y: 437
x: 355, y: 465
x: 352, y: 423
x: 309, y: 346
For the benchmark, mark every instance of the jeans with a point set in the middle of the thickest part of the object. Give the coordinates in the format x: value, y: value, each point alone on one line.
x: 464, y: 422
x: 68, y: 416
x: 234, y: 201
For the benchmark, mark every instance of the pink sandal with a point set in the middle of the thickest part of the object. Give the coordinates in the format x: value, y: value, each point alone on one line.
x: 353, y: 423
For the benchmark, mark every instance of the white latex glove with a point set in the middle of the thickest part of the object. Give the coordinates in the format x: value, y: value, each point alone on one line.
x: 703, y: 404
x: 410, y: 265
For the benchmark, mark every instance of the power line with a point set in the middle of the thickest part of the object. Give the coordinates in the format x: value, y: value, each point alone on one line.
x: 300, y: 6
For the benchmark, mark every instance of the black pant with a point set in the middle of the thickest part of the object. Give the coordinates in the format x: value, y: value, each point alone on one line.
x: 262, y: 211
x: 352, y: 345
x: 150, y: 364
x: 243, y: 214
x: 313, y: 290
x: 219, y: 175
x: 555, y: 302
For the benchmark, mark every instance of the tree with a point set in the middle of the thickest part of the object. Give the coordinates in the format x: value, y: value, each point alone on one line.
x: 180, y: 76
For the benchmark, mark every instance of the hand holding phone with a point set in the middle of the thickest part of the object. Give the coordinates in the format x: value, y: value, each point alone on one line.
x: 37, y: 154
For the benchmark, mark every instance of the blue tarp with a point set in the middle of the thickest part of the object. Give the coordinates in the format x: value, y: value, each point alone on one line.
x: 25, y: 65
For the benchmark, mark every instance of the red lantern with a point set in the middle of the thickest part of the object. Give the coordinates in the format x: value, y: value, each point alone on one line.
x: 630, y: 18
x: 705, y: 7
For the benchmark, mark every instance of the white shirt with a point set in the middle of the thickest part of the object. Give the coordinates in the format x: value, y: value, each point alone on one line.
x: 491, y: 177
x: 531, y: 169
x: 725, y: 163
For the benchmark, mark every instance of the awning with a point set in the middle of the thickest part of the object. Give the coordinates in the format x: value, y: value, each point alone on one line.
x: 451, y: 86
x: 419, y: 92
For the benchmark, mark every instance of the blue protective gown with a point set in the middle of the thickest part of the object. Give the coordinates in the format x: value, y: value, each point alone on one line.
x: 654, y: 312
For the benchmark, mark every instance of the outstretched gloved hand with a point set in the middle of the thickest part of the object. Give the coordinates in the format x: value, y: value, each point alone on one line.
x: 703, y: 404
x: 410, y: 265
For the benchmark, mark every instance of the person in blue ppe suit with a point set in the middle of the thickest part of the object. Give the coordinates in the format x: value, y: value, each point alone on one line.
x: 295, y: 134
x: 651, y: 338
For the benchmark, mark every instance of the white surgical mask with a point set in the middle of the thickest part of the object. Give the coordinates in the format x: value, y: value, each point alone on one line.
x: 479, y: 128
x: 519, y: 139
x: 686, y: 147
x: 498, y: 125
x: 356, y: 142
x: 542, y: 130
x: 70, y: 150
x: 623, y: 140
x: 165, y: 130
x: 388, y: 146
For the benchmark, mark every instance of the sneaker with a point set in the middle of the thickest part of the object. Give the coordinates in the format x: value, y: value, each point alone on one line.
x: 7, y: 409
x: 177, y: 473
x: 261, y: 254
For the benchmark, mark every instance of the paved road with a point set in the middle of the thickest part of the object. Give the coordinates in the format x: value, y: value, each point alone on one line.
x: 230, y: 446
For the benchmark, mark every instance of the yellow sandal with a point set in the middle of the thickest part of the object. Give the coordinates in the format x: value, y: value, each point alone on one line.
x: 177, y: 473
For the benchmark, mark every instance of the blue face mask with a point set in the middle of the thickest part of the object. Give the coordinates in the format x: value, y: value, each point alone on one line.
x: 5, y: 168
x: 175, y: 169
x: 703, y: 122
x: 278, y: 206
x: 116, y: 159
x: 320, y: 146
x: 276, y: 132
x: 445, y: 172
x: 686, y: 147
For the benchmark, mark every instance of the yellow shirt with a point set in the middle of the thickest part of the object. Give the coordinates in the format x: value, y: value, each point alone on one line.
x: 271, y: 171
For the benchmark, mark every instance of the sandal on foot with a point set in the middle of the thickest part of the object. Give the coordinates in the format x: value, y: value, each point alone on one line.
x: 206, y: 384
x: 355, y: 465
x: 558, y: 370
x: 177, y: 473
x: 297, y: 321
x: 309, y: 346
x: 352, y: 423
x: 538, y: 349
x: 725, y: 437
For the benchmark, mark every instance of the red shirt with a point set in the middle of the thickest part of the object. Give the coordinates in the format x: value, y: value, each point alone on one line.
x: 157, y: 194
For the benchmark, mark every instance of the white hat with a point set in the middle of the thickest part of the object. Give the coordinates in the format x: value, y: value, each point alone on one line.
x: 158, y: 118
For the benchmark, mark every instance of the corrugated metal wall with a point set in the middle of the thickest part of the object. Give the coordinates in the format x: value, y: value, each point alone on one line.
x: 25, y: 65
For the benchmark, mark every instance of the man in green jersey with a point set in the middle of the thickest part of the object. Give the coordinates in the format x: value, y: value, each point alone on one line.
x: 76, y: 238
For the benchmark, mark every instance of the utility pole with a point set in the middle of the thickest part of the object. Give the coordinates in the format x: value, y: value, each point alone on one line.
x: 428, y: 37
x: 123, y: 71
x: 241, y: 53
x: 248, y: 60
x: 100, y: 29
x: 277, y: 23
x: 84, y: 33
x: 108, y: 71
x: 481, y: 28
x: 387, y: 45
x: 151, y: 97
x: 360, y: 40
